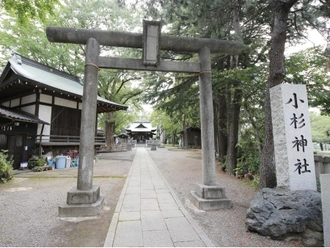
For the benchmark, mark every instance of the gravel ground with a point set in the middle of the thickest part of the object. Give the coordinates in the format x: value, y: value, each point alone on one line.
x: 29, y: 203
x: 225, y: 227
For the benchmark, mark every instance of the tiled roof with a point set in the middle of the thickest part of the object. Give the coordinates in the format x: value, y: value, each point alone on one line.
x: 141, y: 127
x: 16, y: 115
x: 46, y: 77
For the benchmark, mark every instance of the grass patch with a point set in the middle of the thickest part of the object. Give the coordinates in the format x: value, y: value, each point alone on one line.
x: 118, y: 176
x: 115, y: 176
x: 252, y: 183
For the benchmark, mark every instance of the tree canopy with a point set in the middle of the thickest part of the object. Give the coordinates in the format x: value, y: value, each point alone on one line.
x: 320, y: 128
x: 28, y: 10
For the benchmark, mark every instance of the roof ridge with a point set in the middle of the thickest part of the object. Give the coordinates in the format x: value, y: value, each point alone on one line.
x: 23, y: 60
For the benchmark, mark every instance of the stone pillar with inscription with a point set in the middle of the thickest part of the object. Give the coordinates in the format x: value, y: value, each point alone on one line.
x: 294, y: 158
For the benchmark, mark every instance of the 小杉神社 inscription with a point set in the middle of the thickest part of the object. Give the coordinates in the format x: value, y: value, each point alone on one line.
x: 295, y: 169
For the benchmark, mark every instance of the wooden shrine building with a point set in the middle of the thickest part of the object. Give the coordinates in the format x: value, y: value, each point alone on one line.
x: 141, y: 132
x: 40, y: 107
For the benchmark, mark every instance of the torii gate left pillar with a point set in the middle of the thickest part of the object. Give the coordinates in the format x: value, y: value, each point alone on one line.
x: 85, y: 200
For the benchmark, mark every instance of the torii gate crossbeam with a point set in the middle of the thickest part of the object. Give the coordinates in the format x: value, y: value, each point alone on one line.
x: 135, y: 40
x: 208, y: 195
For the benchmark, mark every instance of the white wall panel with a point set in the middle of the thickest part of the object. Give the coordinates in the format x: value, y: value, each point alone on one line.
x: 45, y: 114
x: 46, y: 98
x: 14, y: 102
x: 29, y: 109
x: 28, y: 99
x: 65, y: 103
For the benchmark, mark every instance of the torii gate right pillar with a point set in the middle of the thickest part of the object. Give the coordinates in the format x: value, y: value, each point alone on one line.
x: 208, y: 195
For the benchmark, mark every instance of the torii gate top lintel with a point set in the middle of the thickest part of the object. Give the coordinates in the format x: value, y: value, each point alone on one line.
x: 151, y: 41
x: 135, y: 40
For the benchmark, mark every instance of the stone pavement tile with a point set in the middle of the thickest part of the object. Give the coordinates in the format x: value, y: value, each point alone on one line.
x: 149, y: 213
x: 145, y: 176
x: 181, y: 230
x: 165, y: 197
x: 135, y: 172
x: 135, y: 184
x: 148, y: 194
x: 154, y: 173
x: 132, y: 199
x: 149, y: 204
x: 168, y: 206
x: 132, y: 207
x: 197, y: 243
x: 125, y: 216
x: 112, y: 231
x: 152, y: 220
x: 157, y: 239
x: 172, y: 213
x: 162, y: 190
x: 128, y: 233
x: 147, y: 185
x: 134, y: 180
x: 160, y: 185
x: 133, y: 190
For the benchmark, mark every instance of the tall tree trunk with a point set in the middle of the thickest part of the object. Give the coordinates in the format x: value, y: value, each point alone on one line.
x: 185, y: 133
x: 109, y: 129
x: 174, y: 137
x: 216, y: 127
x: 321, y: 146
x: 276, y: 75
x: 256, y: 129
x: 235, y: 110
x: 235, y: 105
x: 223, y: 132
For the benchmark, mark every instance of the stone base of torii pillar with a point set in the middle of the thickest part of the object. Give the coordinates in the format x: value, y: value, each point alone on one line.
x: 210, y: 197
x: 82, y: 203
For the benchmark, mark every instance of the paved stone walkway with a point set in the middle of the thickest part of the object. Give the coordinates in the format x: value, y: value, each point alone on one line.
x: 149, y: 213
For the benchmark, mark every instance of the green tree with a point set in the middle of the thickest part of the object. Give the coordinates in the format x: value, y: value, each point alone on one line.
x: 287, y: 17
x: 310, y: 67
x: 235, y: 96
x: 267, y: 25
x: 320, y: 126
x: 276, y: 76
x: 177, y: 96
x: 168, y: 128
x: 117, y: 86
x: 28, y: 10
x: 30, y: 41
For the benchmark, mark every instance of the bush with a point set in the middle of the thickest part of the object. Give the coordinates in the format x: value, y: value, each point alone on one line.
x: 32, y: 162
x: 41, y: 162
x: 6, y: 166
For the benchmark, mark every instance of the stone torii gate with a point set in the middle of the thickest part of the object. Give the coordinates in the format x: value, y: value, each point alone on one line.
x: 85, y: 199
